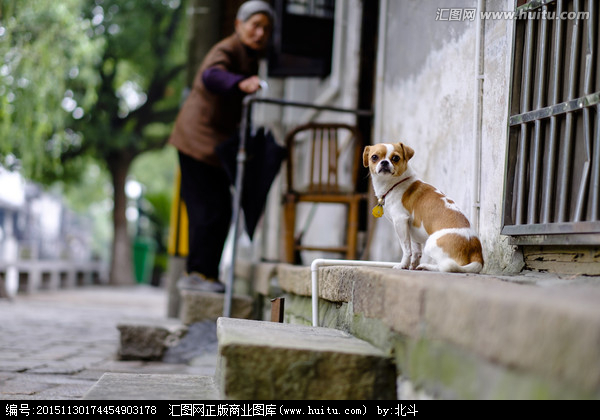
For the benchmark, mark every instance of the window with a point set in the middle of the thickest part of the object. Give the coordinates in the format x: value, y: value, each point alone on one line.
x: 552, y: 185
x: 303, y: 38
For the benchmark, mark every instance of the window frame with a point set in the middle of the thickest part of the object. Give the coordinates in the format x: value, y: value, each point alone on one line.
x: 554, y: 114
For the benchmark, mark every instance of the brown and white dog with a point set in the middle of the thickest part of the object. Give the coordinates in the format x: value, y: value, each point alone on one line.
x: 425, y: 220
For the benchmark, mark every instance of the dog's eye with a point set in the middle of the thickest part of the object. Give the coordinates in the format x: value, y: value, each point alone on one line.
x: 374, y: 158
x: 395, y: 158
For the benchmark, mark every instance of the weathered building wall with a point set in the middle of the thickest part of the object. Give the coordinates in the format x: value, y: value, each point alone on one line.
x: 427, y: 98
x: 427, y: 95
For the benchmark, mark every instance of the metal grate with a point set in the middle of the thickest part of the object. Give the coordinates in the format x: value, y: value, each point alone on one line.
x: 552, y: 185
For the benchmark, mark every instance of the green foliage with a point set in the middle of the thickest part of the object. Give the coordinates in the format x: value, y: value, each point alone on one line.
x: 92, y: 187
x: 87, y: 76
x: 155, y: 170
x: 140, y: 75
x: 86, y: 86
x: 43, y: 52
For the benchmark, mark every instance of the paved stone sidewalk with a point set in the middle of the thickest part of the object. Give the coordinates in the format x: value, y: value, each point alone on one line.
x: 55, y: 345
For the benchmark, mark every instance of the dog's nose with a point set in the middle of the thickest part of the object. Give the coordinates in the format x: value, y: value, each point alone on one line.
x: 384, y: 163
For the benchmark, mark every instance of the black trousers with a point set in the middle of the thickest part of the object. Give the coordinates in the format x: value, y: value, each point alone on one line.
x: 205, y: 189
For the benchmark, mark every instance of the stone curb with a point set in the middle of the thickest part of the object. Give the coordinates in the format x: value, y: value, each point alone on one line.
x: 553, y: 330
x: 275, y: 361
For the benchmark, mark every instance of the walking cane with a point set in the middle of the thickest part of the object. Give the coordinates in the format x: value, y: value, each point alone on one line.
x: 237, y: 196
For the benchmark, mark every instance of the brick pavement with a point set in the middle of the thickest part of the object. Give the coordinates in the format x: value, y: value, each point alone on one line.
x: 55, y: 345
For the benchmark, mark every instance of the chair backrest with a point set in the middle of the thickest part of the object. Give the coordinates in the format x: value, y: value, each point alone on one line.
x: 323, y: 158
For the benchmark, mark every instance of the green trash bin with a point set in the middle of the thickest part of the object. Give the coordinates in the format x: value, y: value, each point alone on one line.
x: 144, y: 250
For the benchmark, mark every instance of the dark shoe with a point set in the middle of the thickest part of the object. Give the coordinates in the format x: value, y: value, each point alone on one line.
x: 198, y: 282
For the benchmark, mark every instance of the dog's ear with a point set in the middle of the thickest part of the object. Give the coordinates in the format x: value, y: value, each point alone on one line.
x: 366, y: 157
x: 408, y: 151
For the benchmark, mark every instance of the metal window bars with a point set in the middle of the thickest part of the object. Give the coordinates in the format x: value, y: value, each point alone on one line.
x: 552, y: 184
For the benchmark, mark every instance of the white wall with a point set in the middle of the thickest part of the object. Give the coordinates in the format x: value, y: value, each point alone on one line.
x: 426, y: 98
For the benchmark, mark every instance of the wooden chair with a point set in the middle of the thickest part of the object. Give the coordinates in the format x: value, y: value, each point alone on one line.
x: 323, y: 164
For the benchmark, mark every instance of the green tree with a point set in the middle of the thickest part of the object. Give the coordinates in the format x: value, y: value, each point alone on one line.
x: 142, y: 61
x: 42, y: 51
x: 115, y: 68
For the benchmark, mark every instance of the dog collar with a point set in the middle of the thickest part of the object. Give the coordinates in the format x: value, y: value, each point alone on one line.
x: 378, y: 209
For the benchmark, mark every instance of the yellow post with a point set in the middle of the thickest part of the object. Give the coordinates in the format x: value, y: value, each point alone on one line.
x: 178, y: 226
x: 178, y: 247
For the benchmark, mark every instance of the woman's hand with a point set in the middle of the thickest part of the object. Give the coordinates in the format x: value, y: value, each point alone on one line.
x: 250, y: 85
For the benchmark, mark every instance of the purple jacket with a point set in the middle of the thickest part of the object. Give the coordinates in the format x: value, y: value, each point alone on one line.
x: 211, y: 114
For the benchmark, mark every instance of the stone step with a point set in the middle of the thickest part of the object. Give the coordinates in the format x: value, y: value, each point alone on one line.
x: 133, y: 386
x: 264, y: 360
x: 464, y: 336
x: 200, y: 306
x: 148, y: 338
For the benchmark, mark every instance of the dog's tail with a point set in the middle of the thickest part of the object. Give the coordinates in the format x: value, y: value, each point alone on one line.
x: 451, y: 266
x: 474, y: 267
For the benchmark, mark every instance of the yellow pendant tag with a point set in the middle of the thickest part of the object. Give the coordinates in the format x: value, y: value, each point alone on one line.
x: 378, y: 210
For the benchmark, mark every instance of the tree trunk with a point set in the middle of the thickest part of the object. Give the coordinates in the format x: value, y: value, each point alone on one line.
x: 121, y: 267
x: 204, y: 32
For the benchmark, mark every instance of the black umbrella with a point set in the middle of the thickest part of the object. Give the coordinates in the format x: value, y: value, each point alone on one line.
x: 263, y: 162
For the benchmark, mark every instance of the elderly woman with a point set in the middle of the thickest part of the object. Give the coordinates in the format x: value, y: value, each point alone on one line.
x: 209, y: 116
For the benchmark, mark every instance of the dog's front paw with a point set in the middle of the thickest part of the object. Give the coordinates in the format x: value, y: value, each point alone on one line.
x: 403, y: 264
x: 415, y: 261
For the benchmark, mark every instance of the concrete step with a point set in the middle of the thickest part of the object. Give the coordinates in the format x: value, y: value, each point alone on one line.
x: 148, y: 338
x: 264, y: 360
x: 464, y: 336
x: 199, y: 306
x: 152, y: 339
x: 132, y: 386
